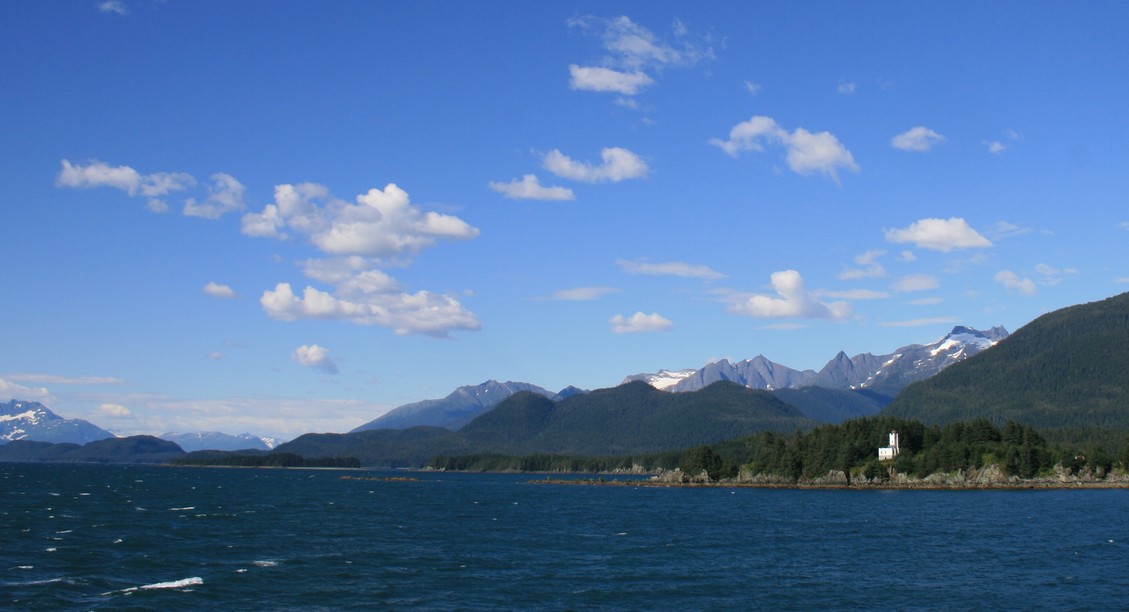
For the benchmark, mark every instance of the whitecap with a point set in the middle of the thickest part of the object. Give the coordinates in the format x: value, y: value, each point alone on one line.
x: 265, y: 563
x: 173, y: 584
x: 182, y: 509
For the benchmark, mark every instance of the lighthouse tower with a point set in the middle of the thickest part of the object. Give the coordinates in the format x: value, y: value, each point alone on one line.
x: 891, y: 451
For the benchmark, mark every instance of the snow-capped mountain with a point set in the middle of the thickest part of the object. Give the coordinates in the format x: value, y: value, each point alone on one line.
x: 885, y: 374
x: 663, y: 379
x: 20, y: 420
x: 453, y: 411
x: 214, y: 440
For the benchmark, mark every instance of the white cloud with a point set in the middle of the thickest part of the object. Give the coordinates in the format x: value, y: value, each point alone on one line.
x: 869, y: 267
x: 939, y: 235
x: 753, y: 88
x: 639, y: 323
x: 14, y: 391
x: 670, y: 268
x: 530, y: 188
x: 619, y: 164
x: 216, y: 356
x: 582, y: 294
x: 225, y: 195
x: 1012, y: 281
x: 805, y: 152
x: 114, y: 411
x: 113, y: 6
x: 633, y: 52
x: 847, y: 88
x: 918, y: 138
x: 422, y: 312
x: 381, y: 223
x: 314, y: 356
x: 792, y: 301
x: 98, y: 174
x: 596, y: 78
x: 217, y: 290
x: 915, y: 282
x: 995, y: 147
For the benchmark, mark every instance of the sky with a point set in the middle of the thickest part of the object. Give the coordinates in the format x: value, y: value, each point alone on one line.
x: 290, y: 217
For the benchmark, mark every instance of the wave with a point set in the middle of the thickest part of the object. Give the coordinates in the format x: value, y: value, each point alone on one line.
x: 173, y: 584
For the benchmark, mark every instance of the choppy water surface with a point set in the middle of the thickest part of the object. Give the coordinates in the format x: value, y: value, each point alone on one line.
x: 89, y: 537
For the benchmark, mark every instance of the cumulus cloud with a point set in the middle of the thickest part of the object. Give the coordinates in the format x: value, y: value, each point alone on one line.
x: 1013, y: 282
x: 869, y: 267
x: 530, y: 188
x: 217, y: 290
x: 670, y: 268
x: 792, y: 301
x: 918, y: 138
x: 634, y: 53
x: 13, y: 391
x: 225, y: 195
x: 639, y: 323
x: 805, y: 152
x: 422, y: 312
x: 383, y: 222
x: 618, y: 165
x: 314, y: 356
x: 582, y: 294
x: 114, y: 411
x: 597, y: 78
x: 939, y: 235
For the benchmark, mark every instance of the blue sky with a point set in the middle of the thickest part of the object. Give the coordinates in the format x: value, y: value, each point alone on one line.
x: 286, y: 217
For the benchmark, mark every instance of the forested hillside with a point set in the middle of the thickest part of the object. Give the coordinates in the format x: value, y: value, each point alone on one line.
x: 1065, y: 369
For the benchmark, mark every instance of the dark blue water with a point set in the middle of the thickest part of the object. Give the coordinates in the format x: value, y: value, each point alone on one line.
x: 111, y: 537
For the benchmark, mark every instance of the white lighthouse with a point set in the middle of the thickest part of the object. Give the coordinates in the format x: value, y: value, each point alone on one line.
x: 891, y: 451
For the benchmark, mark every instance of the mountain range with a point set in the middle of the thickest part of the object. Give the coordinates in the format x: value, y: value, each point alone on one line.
x: 1064, y: 371
x: 883, y: 374
x: 833, y: 394
x: 21, y: 420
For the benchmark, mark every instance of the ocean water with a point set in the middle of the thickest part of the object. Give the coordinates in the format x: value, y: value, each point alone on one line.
x: 113, y: 537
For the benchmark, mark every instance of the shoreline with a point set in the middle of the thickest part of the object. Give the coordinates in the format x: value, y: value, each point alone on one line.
x: 1025, y: 485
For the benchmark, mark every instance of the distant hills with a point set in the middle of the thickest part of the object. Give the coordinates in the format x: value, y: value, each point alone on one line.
x: 1067, y: 368
x: 133, y: 449
x: 453, y: 411
x: 628, y: 419
x: 1063, y: 370
x: 214, y: 440
x: 21, y: 420
x: 882, y: 377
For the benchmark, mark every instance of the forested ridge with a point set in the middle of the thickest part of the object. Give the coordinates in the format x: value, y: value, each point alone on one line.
x: 1065, y: 369
x: 852, y: 448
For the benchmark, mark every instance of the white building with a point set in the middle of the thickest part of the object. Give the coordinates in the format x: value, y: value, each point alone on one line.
x: 889, y: 452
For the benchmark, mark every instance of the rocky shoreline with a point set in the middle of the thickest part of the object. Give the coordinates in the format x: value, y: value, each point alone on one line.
x: 988, y: 477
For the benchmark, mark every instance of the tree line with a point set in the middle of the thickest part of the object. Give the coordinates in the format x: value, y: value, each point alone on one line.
x: 852, y: 447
